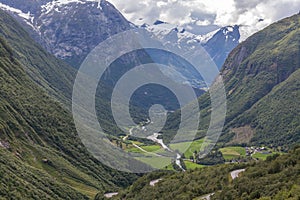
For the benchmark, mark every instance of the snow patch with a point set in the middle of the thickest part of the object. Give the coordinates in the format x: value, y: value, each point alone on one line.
x: 54, y: 5
x: 28, y: 18
x: 227, y: 30
x: 208, y: 36
x: 99, y: 5
x: 230, y: 28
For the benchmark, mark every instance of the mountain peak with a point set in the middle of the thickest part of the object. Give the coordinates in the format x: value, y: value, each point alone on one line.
x: 69, y: 29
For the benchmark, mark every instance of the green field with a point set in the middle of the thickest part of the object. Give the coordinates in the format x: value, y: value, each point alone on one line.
x: 151, y: 148
x: 194, y: 146
x: 133, y: 149
x: 156, y: 162
x: 233, y: 152
x: 191, y: 165
x: 261, y: 156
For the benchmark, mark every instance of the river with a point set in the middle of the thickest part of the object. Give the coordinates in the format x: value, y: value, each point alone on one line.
x: 154, y: 138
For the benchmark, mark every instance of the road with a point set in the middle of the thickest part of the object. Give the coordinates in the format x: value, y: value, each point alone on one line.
x: 235, y: 174
x: 155, y: 139
x: 110, y: 195
x: 152, y: 183
x: 206, y: 197
x: 130, y: 133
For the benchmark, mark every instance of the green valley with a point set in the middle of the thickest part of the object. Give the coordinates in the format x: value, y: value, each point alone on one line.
x: 276, y: 178
x: 42, y: 156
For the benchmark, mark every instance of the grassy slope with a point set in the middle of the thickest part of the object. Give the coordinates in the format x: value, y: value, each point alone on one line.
x: 194, y: 146
x: 276, y: 178
x: 233, y: 152
x: 39, y: 127
x: 53, y: 75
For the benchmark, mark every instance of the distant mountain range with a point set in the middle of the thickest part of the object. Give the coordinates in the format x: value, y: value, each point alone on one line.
x: 218, y: 43
x: 70, y: 29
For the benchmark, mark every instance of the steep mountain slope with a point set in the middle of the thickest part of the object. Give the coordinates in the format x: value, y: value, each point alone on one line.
x: 261, y: 62
x: 218, y: 43
x: 222, y: 43
x: 55, y: 76
x: 52, y: 74
x: 275, y: 118
x: 68, y: 29
x: 38, y: 140
x: 251, y: 73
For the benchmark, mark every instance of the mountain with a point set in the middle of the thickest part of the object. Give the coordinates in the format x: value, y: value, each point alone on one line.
x: 218, y: 43
x: 222, y: 43
x: 54, y: 24
x: 41, y: 153
x: 69, y: 29
x: 262, y: 87
x: 56, y: 78
x: 261, y: 78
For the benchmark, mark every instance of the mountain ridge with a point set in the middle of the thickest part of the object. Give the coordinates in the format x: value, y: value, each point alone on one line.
x: 250, y: 73
x: 37, y: 132
x: 54, y: 24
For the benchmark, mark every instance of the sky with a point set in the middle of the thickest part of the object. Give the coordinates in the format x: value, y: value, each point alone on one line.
x: 208, y: 12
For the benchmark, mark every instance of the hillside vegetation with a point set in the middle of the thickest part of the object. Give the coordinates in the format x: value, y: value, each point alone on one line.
x: 42, y: 157
x: 276, y: 178
x: 262, y: 88
x: 52, y: 74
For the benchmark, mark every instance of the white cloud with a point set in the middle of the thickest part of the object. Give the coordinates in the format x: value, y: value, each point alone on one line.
x: 205, y: 12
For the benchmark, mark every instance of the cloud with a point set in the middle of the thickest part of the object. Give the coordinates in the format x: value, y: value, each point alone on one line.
x: 219, y: 12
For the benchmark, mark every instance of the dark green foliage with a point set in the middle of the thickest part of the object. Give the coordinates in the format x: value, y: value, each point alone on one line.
x: 53, y: 75
x: 264, y: 87
x: 276, y: 178
x: 21, y: 181
x: 276, y: 117
x: 48, y: 160
x: 213, y: 158
x: 180, y: 185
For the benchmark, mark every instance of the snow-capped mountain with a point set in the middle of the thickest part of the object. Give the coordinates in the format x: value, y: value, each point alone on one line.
x: 69, y: 29
x: 218, y: 43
